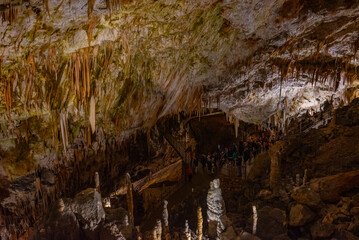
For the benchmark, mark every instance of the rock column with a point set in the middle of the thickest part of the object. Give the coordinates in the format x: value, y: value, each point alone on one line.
x: 199, y: 223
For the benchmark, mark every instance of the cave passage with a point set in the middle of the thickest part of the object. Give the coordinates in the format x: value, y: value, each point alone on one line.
x: 179, y: 119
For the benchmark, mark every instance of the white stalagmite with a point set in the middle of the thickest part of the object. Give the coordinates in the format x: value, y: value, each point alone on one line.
x: 126, y: 221
x: 255, y: 219
x: 154, y: 233
x: 215, y: 205
x: 165, y: 213
x: 92, y: 116
x: 158, y: 230
x: 165, y: 221
x: 199, y: 223
x: 187, y: 231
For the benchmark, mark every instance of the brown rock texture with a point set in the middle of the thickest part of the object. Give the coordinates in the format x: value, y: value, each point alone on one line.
x: 330, y: 188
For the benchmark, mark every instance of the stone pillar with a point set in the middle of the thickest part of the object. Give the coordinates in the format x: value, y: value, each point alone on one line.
x: 275, y: 167
x: 199, y: 223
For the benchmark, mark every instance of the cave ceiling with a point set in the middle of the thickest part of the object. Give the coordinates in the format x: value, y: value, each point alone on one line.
x: 124, y: 64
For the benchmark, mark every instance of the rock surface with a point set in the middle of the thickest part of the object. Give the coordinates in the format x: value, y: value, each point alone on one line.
x: 330, y: 188
x: 271, y: 222
x: 87, y: 206
x: 306, y: 196
x: 321, y: 230
x: 299, y: 215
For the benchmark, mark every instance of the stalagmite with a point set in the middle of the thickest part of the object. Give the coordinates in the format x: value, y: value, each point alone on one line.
x: 165, y: 213
x: 126, y: 221
x: 129, y: 197
x: 297, y: 180
x: 275, y: 173
x: 92, y: 116
x: 158, y: 230
x: 199, y: 223
x: 187, y: 231
x: 215, y: 207
x: 305, y: 177
x: 255, y: 219
x: 165, y: 220
x: 97, y: 181
x: 61, y: 205
x: 154, y: 233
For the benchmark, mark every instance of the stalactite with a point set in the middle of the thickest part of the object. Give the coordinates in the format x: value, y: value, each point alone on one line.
x: 90, y: 6
x: 199, y: 223
x: 10, y: 13
x: 46, y: 5
x: 64, y: 130
x: 255, y: 219
x: 113, y: 4
x: 92, y: 115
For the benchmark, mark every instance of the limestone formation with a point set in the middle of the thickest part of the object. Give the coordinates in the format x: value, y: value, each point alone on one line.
x: 215, y: 207
x: 165, y: 220
x: 331, y: 187
x: 275, y: 172
x: 88, y: 205
x: 97, y: 181
x: 187, y: 231
x: 199, y: 223
x: 84, y: 84
x: 307, y: 196
x: 165, y: 213
x: 129, y: 197
x: 304, y: 182
x: 255, y: 219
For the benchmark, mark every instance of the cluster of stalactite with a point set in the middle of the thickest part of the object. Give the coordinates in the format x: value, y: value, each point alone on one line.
x: 322, y: 69
x: 9, y: 10
x: 63, y: 87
